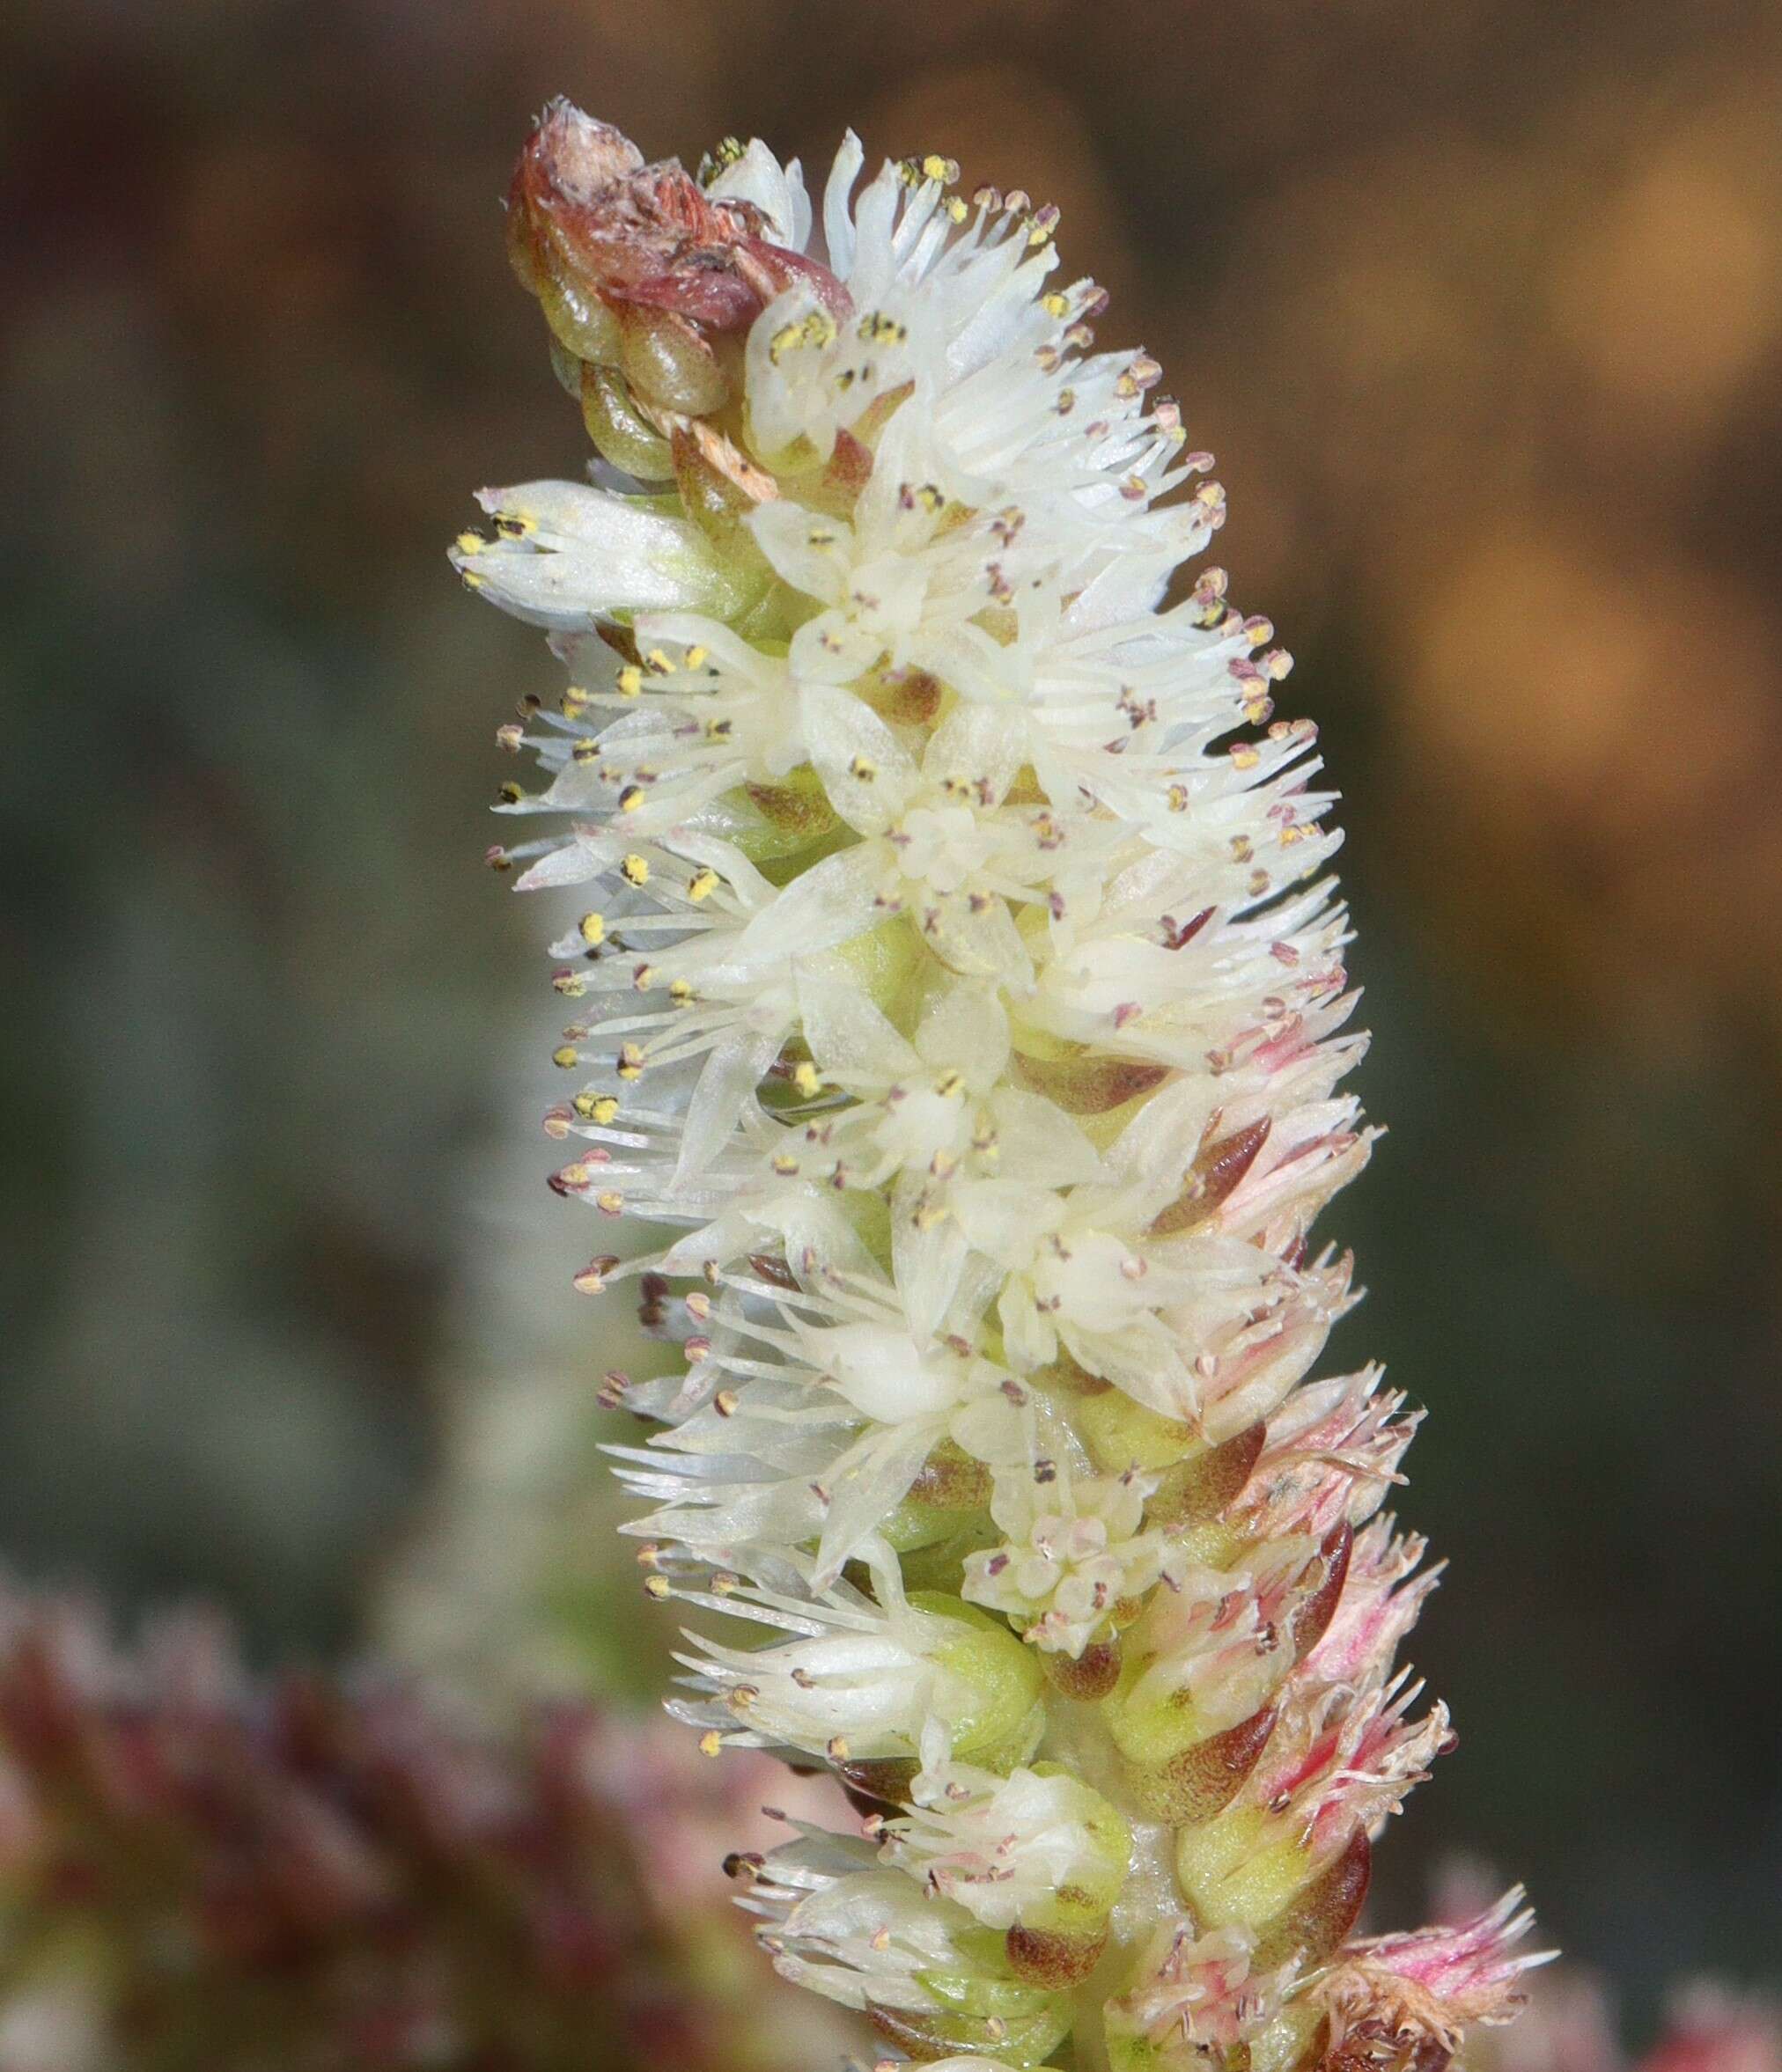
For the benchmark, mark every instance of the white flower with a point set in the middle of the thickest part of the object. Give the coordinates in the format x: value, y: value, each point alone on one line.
x: 1075, y: 1559
x: 566, y: 557
x: 1004, y: 1848
x: 808, y: 1415
x: 863, y: 1677
x: 1196, y: 1989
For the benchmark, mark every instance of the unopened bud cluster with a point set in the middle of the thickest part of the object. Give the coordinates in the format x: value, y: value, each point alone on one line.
x: 957, y: 968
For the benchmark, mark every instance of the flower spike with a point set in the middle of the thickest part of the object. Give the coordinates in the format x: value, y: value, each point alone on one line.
x: 959, y: 977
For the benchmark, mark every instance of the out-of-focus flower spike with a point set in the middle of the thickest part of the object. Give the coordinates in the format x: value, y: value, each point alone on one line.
x: 342, y: 1872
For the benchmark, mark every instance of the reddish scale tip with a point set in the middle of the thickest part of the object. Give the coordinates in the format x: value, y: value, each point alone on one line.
x: 587, y: 212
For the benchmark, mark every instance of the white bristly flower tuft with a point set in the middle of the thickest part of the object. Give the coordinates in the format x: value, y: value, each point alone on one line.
x: 959, y: 977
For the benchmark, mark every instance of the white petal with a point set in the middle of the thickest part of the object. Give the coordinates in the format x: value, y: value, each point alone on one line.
x: 838, y: 225
x: 581, y: 857
x: 927, y: 1261
x: 864, y: 770
x: 759, y: 176
x: 804, y: 547
x: 726, y: 1084
x: 1037, y: 1141
x: 981, y: 943
x: 965, y: 1031
x: 1006, y: 1219
x: 978, y: 743
x: 866, y: 1486
x: 850, y: 1041
x: 590, y: 554
x: 830, y: 903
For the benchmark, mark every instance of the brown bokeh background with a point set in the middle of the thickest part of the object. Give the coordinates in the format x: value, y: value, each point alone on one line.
x: 1480, y: 304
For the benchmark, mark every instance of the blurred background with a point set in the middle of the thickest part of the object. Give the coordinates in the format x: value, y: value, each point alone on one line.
x: 1479, y: 305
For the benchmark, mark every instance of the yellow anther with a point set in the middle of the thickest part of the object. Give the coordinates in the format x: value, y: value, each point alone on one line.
x: 658, y: 1586
x: 949, y: 1083
x: 469, y: 543
x: 697, y: 657
x: 786, y: 1164
x: 806, y: 1080
x: 701, y: 884
x: 711, y: 1742
x: 644, y: 977
x: 510, y: 794
x: 635, y: 869
x: 566, y: 1057
x: 681, y: 991
x: 1244, y: 756
x: 955, y: 208
x: 596, y: 1107
x: 630, y: 1065
x: 630, y: 798
x: 610, y: 1203
x: 515, y: 524
x: 935, y: 167
x: 863, y: 769
x: 592, y: 928
x: 1178, y: 798
x: 570, y: 984
x: 659, y: 663
x: 1054, y: 305
x: 630, y: 681
x: 585, y: 751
